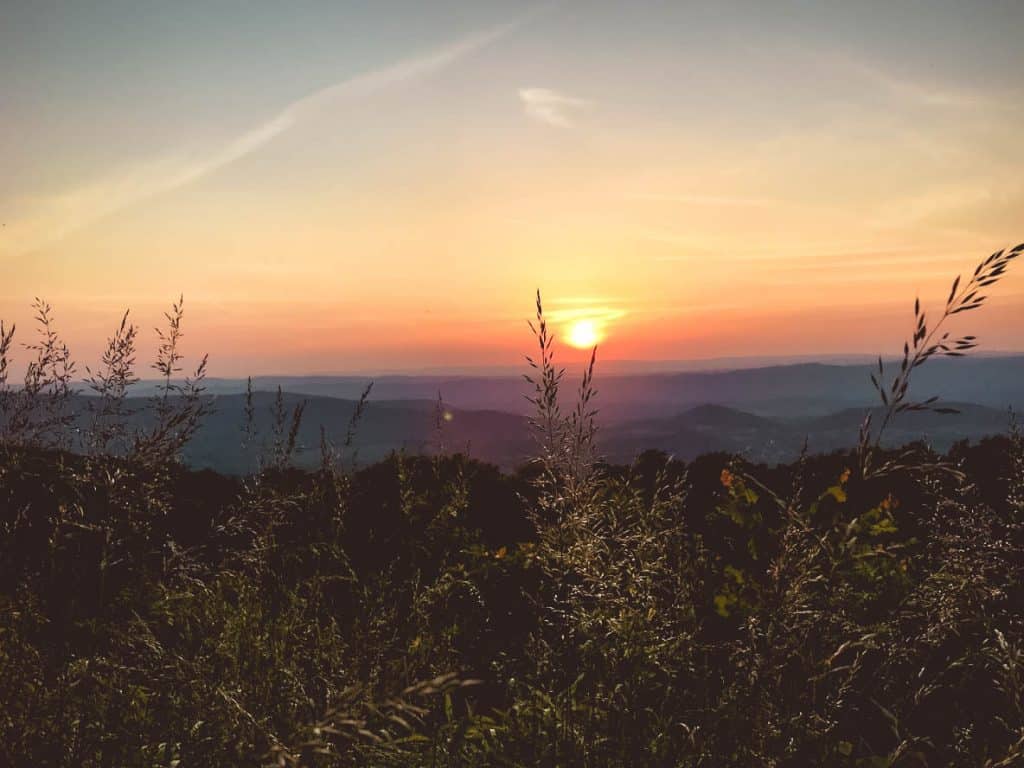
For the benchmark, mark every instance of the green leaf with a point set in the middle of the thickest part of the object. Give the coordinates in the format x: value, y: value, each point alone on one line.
x: 837, y: 493
x: 722, y: 605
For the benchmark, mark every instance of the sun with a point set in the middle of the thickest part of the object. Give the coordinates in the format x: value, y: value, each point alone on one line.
x: 584, y: 334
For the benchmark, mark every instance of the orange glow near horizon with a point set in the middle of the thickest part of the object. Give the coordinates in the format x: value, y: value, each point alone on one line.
x: 584, y: 334
x: 391, y: 203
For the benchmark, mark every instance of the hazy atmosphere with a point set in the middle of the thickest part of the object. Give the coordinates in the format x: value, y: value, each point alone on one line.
x: 350, y: 186
x: 475, y: 384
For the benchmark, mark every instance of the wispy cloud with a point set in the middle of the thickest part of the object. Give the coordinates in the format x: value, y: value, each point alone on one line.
x: 922, y: 93
x: 601, y: 314
x: 551, y: 107
x: 49, y: 219
x: 711, y: 201
x: 773, y: 251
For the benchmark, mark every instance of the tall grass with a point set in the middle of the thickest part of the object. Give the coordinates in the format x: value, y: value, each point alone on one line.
x: 856, y: 609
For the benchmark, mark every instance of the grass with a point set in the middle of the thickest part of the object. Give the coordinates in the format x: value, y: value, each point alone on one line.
x: 854, y: 609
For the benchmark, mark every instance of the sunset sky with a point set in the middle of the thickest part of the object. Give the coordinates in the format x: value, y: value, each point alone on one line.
x: 382, y: 186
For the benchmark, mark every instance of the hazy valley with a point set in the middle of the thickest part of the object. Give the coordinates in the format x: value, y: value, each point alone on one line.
x: 764, y: 414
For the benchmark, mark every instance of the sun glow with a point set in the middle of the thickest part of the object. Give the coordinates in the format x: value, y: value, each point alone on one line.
x: 584, y: 334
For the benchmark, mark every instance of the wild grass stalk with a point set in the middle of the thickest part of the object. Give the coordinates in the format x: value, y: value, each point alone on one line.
x: 110, y: 384
x: 178, y: 407
x: 927, y: 342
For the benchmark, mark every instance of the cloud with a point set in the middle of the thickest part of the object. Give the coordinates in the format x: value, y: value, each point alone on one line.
x: 600, y: 314
x: 711, y: 201
x: 550, y: 107
x: 946, y: 206
x: 921, y: 93
x: 48, y: 219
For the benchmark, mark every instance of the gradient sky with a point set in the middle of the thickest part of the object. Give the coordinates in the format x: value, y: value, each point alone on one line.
x: 383, y: 185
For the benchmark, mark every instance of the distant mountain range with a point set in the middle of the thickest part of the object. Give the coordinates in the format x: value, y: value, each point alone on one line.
x: 385, y: 426
x: 763, y: 413
x: 775, y: 391
x: 719, y: 428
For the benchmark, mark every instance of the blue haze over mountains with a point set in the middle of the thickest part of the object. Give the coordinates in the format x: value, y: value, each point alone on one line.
x: 764, y: 413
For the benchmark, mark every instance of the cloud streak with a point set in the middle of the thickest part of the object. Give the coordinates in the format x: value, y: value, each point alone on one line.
x: 49, y: 219
x: 936, y: 94
x: 551, y: 107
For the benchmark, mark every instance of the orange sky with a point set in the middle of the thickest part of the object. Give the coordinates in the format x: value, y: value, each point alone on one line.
x: 697, y: 185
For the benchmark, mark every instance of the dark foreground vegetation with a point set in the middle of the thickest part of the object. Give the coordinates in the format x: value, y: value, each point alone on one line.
x: 852, y: 609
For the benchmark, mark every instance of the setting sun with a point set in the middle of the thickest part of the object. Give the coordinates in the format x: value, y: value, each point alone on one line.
x: 501, y: 326
x: 584, y: 334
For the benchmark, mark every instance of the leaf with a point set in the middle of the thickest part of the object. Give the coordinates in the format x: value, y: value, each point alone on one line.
x: 722, y: 606
x: 837, y: 493
x: 952, y: 292
x: 735, y: 574
x: 883, y: 526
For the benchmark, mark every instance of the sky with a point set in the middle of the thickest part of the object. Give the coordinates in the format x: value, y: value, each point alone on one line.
x: 381, y: 186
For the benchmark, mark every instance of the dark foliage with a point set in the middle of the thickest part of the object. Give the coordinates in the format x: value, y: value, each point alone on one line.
x: 850, y: 609
x: 186, y: 616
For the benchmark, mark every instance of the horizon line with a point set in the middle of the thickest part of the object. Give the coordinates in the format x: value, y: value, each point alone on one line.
x: 639, y: 367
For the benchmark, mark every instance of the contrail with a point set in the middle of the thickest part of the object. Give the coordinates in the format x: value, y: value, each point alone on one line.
x: 60, y: 215
x: 355, y: 87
